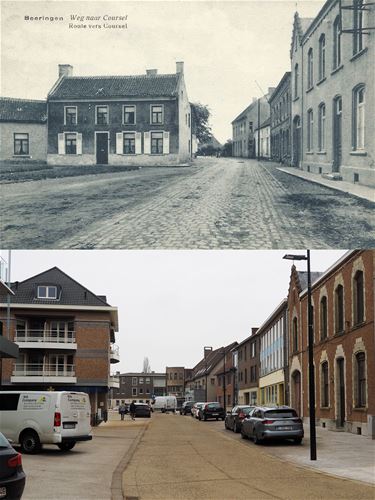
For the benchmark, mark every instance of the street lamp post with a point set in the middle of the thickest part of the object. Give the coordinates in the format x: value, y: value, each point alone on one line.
x: 311, y: 353
x: 224, y: 383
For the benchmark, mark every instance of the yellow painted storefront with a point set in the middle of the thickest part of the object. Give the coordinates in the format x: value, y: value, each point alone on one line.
x: 272, y: 389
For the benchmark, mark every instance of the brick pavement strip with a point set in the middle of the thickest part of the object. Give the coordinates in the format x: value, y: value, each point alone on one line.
x: 182, y: 458
x: 217, y: 203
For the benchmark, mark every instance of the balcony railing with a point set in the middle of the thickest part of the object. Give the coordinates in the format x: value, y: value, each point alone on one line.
x: 115, y: 353
x: 40, y: 370
x: 67, y: 337
x: 114, y: 381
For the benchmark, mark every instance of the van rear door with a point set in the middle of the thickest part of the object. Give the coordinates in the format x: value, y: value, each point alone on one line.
x: 75, y: 414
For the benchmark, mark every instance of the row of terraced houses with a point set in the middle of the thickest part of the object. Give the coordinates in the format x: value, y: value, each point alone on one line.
x: 270, y: 366
x: 87, y: 120
x: 320, y: 116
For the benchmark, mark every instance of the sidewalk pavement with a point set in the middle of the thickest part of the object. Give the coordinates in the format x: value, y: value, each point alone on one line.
x: 338, y: 453
x: 364, y: 192
x: 182, y: 458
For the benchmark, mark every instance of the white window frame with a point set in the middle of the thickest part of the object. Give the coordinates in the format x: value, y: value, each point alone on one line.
x: 310, y: 130
x: 162, y: 138
x: 359, y: 118
x: 134, y: 391
x: 134, y: 380
x: 123, y: 113
x: 65, y: 108
x: 47, y: 296
x: 96, y: 114
x: 162, y: 114
x: 322, y: 127
x: 123, y: 142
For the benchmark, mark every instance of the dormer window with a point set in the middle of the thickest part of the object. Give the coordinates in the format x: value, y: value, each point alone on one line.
x: 47, y: 292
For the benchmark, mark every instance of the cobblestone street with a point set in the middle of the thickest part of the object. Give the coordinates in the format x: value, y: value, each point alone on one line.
x: 217, y: 203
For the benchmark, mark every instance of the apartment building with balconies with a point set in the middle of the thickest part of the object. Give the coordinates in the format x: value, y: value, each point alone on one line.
x: 65, y: 335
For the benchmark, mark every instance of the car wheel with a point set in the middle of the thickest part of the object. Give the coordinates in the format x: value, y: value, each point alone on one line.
x: 297, y: 440
x: 236, y: 428
x: 205, y: 418
x: 225, y: 424
x: 243, y: 435
x: 256, y: 439
x: 30, y: 442
x: 66, y: 446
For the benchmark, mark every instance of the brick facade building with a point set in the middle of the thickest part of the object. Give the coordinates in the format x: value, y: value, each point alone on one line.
x: 248, y: 367
x: 138, y: 387
x: 23, y: 129
x: 65, y: 335
x: 121, y: 120
x: 343, y: 323
x: 280, y: 109
x: 333, y: 96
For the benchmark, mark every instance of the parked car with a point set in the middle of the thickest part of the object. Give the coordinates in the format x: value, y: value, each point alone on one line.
x: 12, y: 476
x: 186, y: 407
x: 234, y: 417
x: 164, y: 403
x: 142, y: 410
x: 211, y: 410
x: 34, y: 418
x: 195, y: 408
x: 272, y: 423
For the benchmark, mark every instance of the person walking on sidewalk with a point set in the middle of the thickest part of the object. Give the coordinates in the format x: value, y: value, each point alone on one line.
x: 132, y: 410
x: 122, y: 411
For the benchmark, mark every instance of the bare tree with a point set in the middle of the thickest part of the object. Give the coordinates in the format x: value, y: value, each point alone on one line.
x: 146, y: 365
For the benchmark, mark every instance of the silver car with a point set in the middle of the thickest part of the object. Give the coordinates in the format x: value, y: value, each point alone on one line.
x: 273, y: 423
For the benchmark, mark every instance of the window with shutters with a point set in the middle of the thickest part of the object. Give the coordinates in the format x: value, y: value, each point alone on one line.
x: 70, y: 115
x: 129, y: 143
x: 129, y: 115
x: 71, y: 144
x: 157, y: 143
x: 21, y: 144
x: 102, y: 115
x: 157, y: 114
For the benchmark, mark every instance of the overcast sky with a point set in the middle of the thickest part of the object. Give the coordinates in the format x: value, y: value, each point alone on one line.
x: 173, y: 303
x: 226, y: 46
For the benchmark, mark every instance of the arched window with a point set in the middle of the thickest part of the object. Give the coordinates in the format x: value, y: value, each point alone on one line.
x: 310, y: 69
x: 359, y: 117
x: 361, y: 380
x: 322, y: 127
x: 357, y: 26
x: 323, y: 318
x: 358, y: 298
x: 324, y: 385
x: 322, y: 56
x: 295, y: 335
x: 339, y: 309
x: 336, y: 43
x: 310, y: 129
x: 296, y: 80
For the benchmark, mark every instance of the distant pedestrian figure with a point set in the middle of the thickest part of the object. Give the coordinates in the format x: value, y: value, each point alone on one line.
x: 132, y: 410
x: 122, y: 411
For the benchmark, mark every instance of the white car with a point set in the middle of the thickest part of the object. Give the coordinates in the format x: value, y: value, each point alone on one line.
x: 34, y: 418
x: 195, y: 409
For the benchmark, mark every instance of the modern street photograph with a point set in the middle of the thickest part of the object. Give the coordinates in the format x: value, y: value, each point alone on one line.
x: 187, y: 125
x: 168, y: 375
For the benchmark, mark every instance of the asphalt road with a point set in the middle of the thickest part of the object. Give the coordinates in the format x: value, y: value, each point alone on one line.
x: 182, y: 458
x: 216, y: 203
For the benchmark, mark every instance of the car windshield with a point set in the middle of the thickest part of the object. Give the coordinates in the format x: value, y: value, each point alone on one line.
x: 247, y: 409
x: 280, y: 414
x: 213, y: 405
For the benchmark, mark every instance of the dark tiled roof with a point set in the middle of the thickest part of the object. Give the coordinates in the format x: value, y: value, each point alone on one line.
x: 70, y: 292
x: 95, y: 87
x: 211, y: 360
x: 22, y: 110
x: 302, y: 276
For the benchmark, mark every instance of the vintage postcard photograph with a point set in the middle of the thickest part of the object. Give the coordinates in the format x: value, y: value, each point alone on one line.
x: 188, y: 124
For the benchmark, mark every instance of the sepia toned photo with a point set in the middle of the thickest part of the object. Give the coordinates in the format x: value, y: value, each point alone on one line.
x: 187, y: 124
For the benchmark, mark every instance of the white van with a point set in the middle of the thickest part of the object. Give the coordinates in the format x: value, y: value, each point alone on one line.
x: 164, y: 403
x: 34, y: 418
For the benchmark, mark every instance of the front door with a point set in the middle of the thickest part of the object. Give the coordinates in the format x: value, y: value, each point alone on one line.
x: 341, y: 392
x: 337, y: 134
x: 102, y: 148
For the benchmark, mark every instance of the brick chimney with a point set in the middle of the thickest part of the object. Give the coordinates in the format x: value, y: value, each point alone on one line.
x: 180, y: 67
x: 65, y: 70
x: 207, y: 351
x: 151, y: 72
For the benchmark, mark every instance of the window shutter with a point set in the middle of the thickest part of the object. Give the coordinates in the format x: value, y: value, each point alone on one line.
x: 138, y: 143
x: 61, y: 144
x: 147, y: 143
x: 166, y: 143
x: 79, y: 144
x: 119, y: 143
